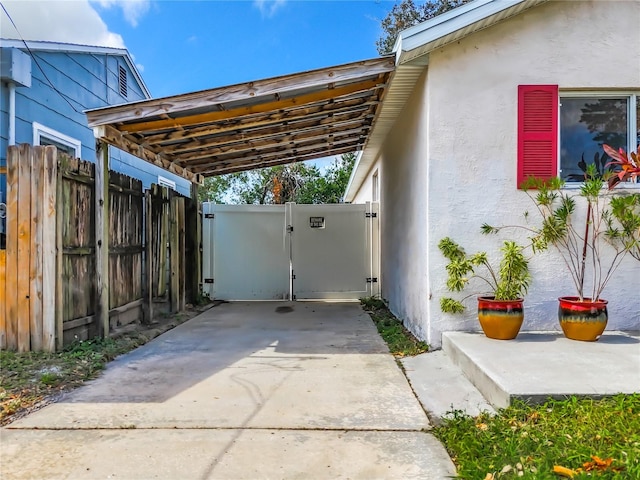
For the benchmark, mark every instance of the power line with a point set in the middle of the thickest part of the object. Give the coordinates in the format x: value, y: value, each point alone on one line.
x: 64, y: 97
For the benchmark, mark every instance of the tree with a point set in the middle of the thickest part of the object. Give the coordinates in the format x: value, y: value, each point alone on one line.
x: 406, y: 14
x: 297, y: 182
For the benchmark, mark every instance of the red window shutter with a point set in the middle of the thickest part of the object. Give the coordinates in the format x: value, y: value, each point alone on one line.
x: 537, y: 131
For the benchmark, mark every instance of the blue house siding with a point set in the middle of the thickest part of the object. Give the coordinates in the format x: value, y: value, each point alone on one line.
x: 86, y: 80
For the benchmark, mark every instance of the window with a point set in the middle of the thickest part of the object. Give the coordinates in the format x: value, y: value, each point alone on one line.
x: 165, y: 182
x: 122, y: 81
x: 562, y: 133
x: 47, y: 136
x: 586, y: 123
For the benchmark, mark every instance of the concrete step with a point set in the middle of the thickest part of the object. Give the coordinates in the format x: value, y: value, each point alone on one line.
x: 541, y: 365
x: 441, y: 387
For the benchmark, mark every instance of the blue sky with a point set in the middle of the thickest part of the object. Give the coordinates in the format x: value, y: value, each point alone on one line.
x: 184, y: 46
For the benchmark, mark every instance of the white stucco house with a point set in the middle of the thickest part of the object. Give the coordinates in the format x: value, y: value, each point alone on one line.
x: 444, y: 155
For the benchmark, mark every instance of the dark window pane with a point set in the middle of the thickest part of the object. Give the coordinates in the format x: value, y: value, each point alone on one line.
x: 585, y: 125
x: 69, y: 150
x: 638, y: 122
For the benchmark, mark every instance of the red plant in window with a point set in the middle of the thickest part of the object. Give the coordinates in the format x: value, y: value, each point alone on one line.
x: 629, y: 165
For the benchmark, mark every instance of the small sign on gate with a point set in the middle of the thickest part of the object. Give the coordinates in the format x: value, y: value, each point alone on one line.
x: 316, y: 222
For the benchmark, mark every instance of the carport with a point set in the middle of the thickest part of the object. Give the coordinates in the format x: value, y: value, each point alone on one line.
x: 252, y: 125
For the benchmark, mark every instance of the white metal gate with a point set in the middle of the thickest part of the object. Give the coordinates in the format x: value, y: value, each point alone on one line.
x: 269, y: 252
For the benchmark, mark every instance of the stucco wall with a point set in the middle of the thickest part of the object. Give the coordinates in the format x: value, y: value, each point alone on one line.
x: 472, y: 98
x: 365, y: 190
x: 404, y: 214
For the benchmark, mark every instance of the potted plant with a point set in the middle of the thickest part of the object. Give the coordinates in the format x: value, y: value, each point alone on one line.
x: 581, y: 236
x: 500, y: 310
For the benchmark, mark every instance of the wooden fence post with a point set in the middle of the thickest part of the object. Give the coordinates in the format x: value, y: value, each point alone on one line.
x: 149, y: 260
x: 3, y: 301
x: 49, y: 252
x: 182, y: 254
x: 36, y: 257
x: 11, y: 288
x: 59, y: 293
x: 102, y: 237
x: 24, y: 247
x: 174, y: 243
x: 196, y: 244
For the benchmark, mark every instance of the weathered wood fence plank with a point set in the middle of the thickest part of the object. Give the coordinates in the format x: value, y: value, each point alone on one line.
x: 66, y: 240
x: 36, y: 195
x: 3, y: 300
x: 24, y: 247
x: 49, y: 253
x: 11, y: 308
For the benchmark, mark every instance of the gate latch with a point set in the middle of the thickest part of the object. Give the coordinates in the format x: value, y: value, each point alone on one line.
x: 372, y: 279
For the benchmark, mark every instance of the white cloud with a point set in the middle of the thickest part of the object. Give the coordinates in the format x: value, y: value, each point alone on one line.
x: 268, y: 7
x: 57, y: 21
x: 132, y: 10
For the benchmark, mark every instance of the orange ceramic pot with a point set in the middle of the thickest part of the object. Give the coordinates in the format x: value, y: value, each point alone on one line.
x: 582, y: 320
x: 500, y: 319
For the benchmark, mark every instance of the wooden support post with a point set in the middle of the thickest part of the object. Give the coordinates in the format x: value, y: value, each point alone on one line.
x: 49, y: 253
x: 174, y: 245
x: 195, y: 235
x: 102, y: 237
x: 149, y: 260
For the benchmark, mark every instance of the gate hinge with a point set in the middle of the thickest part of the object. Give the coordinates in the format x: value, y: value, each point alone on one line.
x: 372, y: 279
x: 209, y: 215
x: 371, y: 215
x: 290, y: 228
x: 208, y: 280
x: 293, y: 276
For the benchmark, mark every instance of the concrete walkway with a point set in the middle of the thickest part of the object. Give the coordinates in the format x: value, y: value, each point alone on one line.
x: 243, y: 391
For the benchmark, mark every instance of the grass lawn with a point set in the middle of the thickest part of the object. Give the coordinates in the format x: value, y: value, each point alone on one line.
x: 579, y: 438
x: 400, y: 341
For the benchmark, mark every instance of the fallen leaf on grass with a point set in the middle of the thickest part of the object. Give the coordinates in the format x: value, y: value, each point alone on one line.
x: 482, y: 426
x: 489, y: 476
x: 598, y: 464
x: 563, y: 471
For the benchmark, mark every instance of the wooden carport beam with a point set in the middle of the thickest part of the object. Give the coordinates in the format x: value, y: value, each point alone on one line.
x: 280, y: 132
x: 111, y: 136
x: 290, y: 142
x: 357, y: 107
x: 217, y: 116
x: 293, y: 158
x: 271, y: 86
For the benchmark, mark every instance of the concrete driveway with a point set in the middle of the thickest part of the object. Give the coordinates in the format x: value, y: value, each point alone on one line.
x: 243, y: 391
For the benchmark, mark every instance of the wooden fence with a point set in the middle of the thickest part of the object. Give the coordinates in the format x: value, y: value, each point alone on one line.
x: 50, y: 289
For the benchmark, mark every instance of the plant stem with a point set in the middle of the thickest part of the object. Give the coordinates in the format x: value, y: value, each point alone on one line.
x: 584, y: 250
